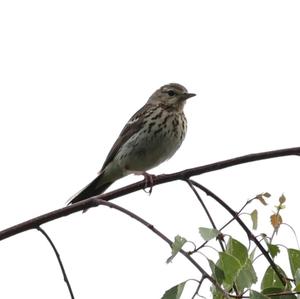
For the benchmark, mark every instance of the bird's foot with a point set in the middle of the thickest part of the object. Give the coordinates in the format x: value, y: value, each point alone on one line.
x: 149, y: 181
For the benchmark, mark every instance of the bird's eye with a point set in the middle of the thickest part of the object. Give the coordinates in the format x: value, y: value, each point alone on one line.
x: 171, y: 93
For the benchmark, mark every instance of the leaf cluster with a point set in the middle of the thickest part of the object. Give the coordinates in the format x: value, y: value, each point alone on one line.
x: 234, y: 271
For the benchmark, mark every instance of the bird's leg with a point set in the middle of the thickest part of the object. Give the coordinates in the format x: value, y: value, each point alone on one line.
x: 149, y: 180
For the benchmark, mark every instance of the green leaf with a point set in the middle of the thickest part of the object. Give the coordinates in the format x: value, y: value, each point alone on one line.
x: 294, y: 258
x: 297, y: 276
x: 276, y: 291
x: 208, y: 233
x: 254, y: 219
x: 176, y: 246
x: 297, y: 288
x: 217, y: 272
x: 256, y: 295
x: 273, y: 249
x: 246, y: 276
x: 269, y: 291
x: 217, y: 294
x: 238, y: 250
x: 297, y: 280
x: 271, y: 280
x: 175, y: 292
x: 230, y: 266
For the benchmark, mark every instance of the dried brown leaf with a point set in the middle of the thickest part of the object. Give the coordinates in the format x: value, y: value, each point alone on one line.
x: 282, y: 199
x: 276, y: 220
x: 260, y: 197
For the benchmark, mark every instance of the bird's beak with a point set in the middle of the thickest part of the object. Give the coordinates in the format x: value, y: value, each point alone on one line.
x: 186, y: 96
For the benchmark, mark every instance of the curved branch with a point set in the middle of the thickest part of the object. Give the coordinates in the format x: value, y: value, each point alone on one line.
x: 161, y: 179
x: 59, y: 261
x: 205, y: 275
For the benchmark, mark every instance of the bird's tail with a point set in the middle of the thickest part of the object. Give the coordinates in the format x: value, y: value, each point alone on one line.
x: 92, y: 189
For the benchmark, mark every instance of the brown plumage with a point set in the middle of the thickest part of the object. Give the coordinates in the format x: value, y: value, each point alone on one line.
x: 151, y: 136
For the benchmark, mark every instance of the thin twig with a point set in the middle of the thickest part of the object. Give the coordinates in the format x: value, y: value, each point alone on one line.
x: 59, y: 261
x: 198, y: 287
x: 210, y: 219
x: 295, y: 235
x: 161, y: 179
x: 205, y: 209
x: 285, y: 294
x: 245, y: 228
x: 225, y: 225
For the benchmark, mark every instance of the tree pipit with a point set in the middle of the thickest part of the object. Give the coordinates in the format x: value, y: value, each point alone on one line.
x: 151, y: 136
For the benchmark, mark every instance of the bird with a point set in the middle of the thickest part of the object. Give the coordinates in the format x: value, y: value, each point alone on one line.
x: 151, y: 136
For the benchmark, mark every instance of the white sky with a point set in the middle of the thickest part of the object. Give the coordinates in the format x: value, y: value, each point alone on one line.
x: 71, y: 75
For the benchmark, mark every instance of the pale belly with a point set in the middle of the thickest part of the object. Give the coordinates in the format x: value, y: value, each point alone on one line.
x: 146, y: 150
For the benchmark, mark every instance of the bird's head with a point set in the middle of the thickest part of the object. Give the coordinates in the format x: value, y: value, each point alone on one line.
x: 172, y: 95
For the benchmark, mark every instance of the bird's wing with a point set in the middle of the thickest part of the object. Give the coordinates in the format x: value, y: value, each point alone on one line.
x: 132, y: 126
